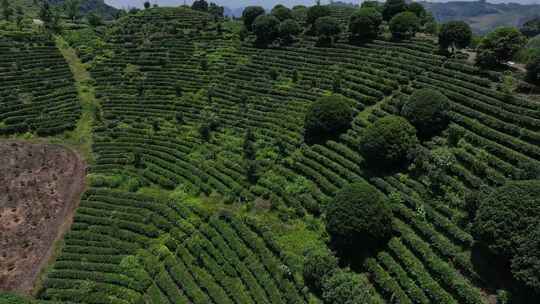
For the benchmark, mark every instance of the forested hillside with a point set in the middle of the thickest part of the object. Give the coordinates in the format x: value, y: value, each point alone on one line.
x: 309, y: 155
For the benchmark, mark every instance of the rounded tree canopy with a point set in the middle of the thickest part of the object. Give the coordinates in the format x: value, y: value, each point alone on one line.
x: 525, y: 265
x: 427, y: 110
x: 455, y: 34
x: 327, y: 26
x: 388, y: 141
x: 327, y: 117
x: 364, y: 23
x: 501, y: 44
x: 392, y: 8
x: 249, y: 15
x: 266, y: 28
x: 316, y: 12
x: 288, y: 29
x: 507, y: 215
x: 359, y: 214
x: 282, y: 12
x: 345, y: 286
x: 404, y: 25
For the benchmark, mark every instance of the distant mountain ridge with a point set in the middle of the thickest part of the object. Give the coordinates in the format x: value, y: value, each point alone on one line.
x: 483, y: 16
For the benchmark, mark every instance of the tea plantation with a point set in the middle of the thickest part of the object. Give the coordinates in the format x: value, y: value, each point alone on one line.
x: 203, y: 187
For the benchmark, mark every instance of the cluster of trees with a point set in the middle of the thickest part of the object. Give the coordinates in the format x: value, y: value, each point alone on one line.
x: 279, y: 24
x: 213, y: 9
x: 9, y: 13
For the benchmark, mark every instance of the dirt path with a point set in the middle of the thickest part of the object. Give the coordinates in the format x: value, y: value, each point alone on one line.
x: 40, y: 187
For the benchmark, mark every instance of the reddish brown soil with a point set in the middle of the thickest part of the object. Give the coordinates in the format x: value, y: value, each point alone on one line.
x: 40, y: 186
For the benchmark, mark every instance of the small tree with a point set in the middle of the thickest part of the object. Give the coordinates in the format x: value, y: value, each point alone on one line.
x: 147, y: 5
x: 388, y: 141
x: 318, y: 265
x: 94, y: 19
x: 200, y: 5
x: 72, y: 8
x: 427, y: 110
x: 299, y: 13
x: 328, y: 29
x: 178, y: 88
x: 327, y: 117
x: 359, y: 215
x: 392, y: 8
x: 19, y: 16
x: 364, y: 23
x: 249, y: 147
x: 455, y: 35
x: 266, y: 28
x: 281, y: 12
x: 289, y: 29
x: 345, y: 287
x: 249, y: 15
x: 404, y: 25
x: 533, y: 71
x: 500, y: 46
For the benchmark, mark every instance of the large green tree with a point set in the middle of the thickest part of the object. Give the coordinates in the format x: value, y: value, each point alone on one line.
x: 316, y: 12
x: 427, y: 110
x: 455, y: 35
x: 364, y: 23
x: 328, y: 29
x: 392, y: 8
x: 288, y: 29
x: 328, y: 117
x: 387, y: 141
x: 282, y: 12
x: 249, y: 15
x: 266, y: 28
x: 404, y: 25
x: 359, y: 215
x: 500, y: 46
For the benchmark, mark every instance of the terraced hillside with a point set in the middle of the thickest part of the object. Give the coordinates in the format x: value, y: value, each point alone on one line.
x: 187, y: 110
x: 37, y: 92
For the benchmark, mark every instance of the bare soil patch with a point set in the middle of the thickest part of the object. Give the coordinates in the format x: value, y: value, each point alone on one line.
x: 40, y: 187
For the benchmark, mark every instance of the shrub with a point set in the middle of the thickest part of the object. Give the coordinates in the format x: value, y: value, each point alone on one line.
x: 392, y: 8
x: 345, y: 287
x: 506, y: 215
x: 359, y: 214
x: 327, y: 117
x: 281, y: 12
x: 364, y: 23
x: 317, y: 266
x: 249, y: 15
x: 198, y: 5
x: 455, y: 35
x: 404, y: 25
x: 327, y: 28
x: 388, y: 140
x: 266, y: 28
x: 500, y: 46
x: 427, y: 110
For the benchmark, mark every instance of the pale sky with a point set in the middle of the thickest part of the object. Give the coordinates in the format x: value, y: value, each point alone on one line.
x: 265, y: 3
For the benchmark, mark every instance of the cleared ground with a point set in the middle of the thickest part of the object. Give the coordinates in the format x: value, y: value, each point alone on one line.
x: 40, y: 186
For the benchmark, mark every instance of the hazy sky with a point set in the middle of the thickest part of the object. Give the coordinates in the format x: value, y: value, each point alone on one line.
x: 243, y: 3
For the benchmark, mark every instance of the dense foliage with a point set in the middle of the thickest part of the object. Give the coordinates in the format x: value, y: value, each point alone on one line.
x: 328, y: 29
x: 266, y: 28
x: 455, y: 35
x: 404, y: 25
x: 359, y: 216
x: 345, y: 287
x: 392, y: 8
x: 327, y: 117
x: 531, y: 28
x: 533, y: 70
x: 387, y: 141
x: 364, y: 23
x: 316, y: 12
x: 427, y: 110
x: 282, y: 12
x: 249, y: 15
x: 318, y: 266
x: 499, y: 46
